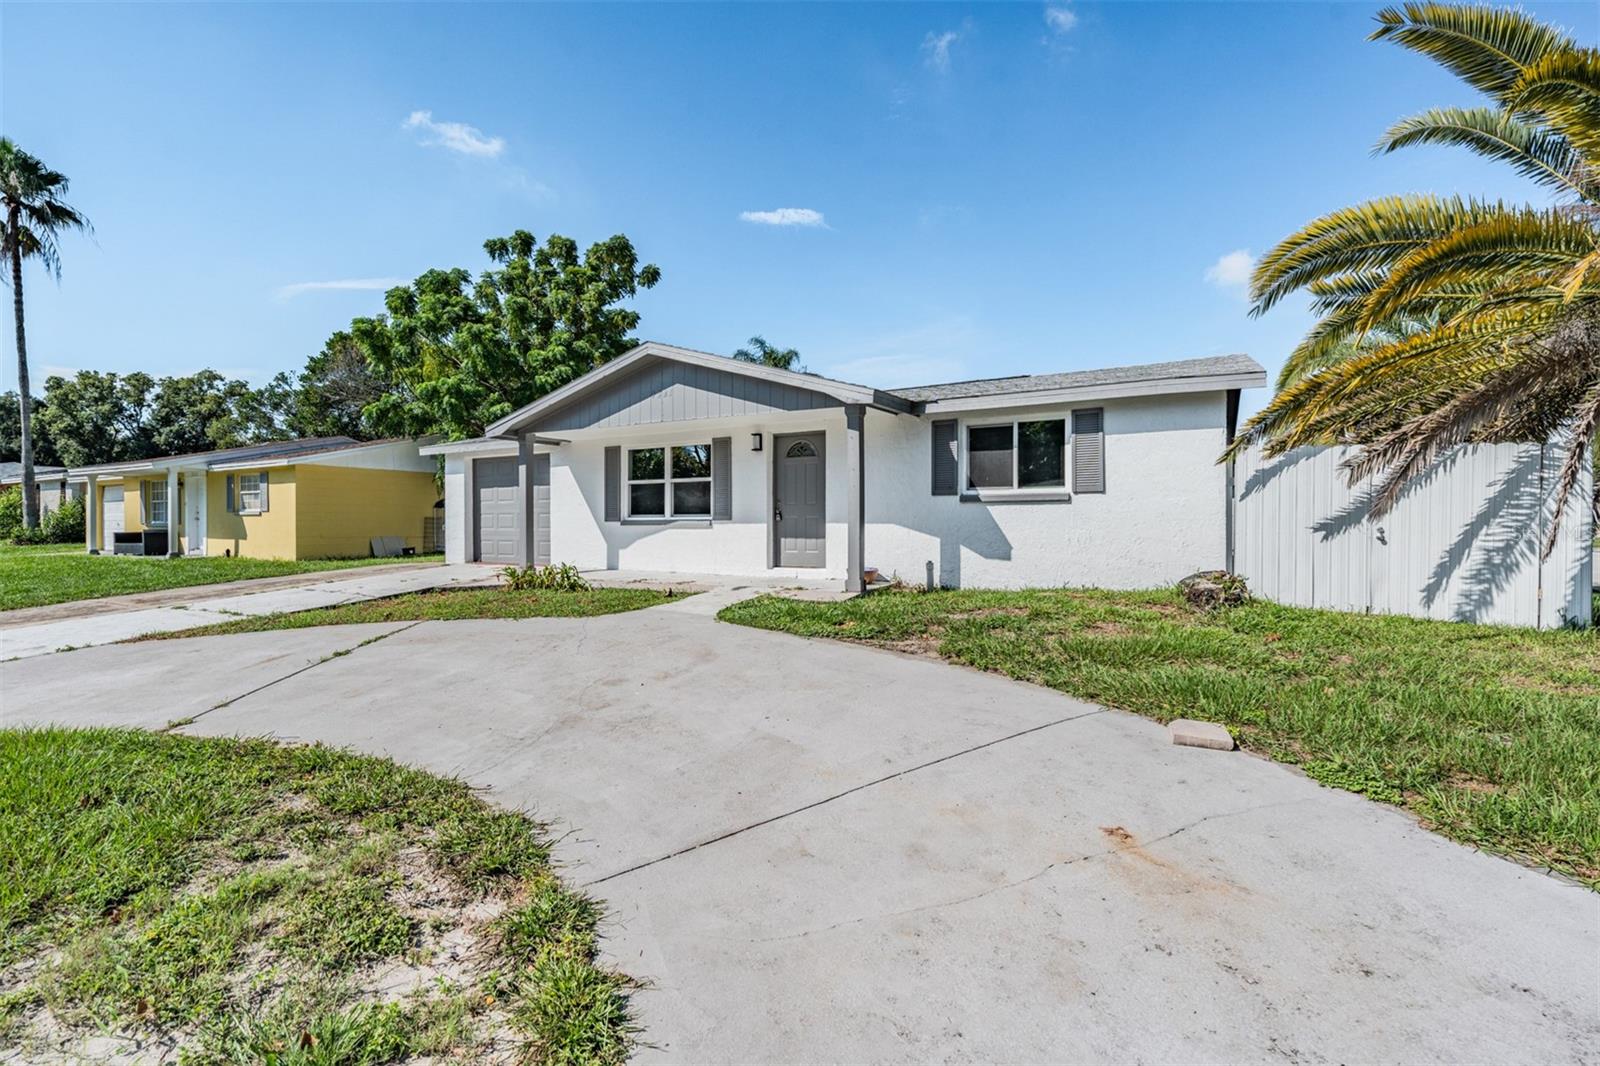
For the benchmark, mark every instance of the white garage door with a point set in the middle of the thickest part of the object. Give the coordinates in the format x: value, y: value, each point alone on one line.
x: 111, y: 516
x: 495, y: 515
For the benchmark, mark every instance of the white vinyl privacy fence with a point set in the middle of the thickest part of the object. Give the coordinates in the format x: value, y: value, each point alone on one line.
x: 1462, y: 544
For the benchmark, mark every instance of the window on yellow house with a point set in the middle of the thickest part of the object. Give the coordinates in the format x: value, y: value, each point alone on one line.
x: 249, y: 493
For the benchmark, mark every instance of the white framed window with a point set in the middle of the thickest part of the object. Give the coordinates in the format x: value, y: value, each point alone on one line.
x: 157, y: 508
x: 249, y: 493
x: 672, y: 481
x: 1019, y: 455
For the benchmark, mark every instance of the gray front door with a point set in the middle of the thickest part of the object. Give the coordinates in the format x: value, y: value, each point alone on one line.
x: 799, y: 514
x: 496, y: 514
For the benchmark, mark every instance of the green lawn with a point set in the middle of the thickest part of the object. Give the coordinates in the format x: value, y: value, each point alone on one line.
x: 53, y: 573
x: 1490, y: 735
x: 443, y: 605
x: 243, y: 899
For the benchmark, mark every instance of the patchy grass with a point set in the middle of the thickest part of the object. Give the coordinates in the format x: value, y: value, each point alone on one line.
x: 1490, y: 734
x: 442, y: 605
x: 45, y: 573
x: 220, y: 900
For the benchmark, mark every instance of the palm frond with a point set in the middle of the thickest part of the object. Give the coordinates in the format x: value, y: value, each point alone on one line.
x: 1335, y: 404
x: 1540, y: 154
x: 1543, y: 243
x: 1488, y: 47
x: 1563, y: 89
x: 1579, y: 438
x: 1367, y: 237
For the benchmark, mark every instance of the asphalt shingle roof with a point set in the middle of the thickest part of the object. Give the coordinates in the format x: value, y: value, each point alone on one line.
x: 13, y: 471
x: 1117, y: 375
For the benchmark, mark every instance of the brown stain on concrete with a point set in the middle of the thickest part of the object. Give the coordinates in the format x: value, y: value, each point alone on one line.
x: 1160, y: 875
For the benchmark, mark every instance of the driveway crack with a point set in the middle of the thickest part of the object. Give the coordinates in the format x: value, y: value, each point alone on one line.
x: 180, y: 722
x: 847, y: 792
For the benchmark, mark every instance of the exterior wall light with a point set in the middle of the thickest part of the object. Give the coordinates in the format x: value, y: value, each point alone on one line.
x: 755, y: 442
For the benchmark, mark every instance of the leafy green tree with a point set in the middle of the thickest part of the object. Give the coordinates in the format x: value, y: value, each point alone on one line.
x: 267, y: 413
x: 766, y: 355
x: 335, y: 387
x: 1450, y: 320
x: 200, y: 412
x: 34, y: 216
x: 456, y: 354
x: 96, y: 417
x: 44, y: 450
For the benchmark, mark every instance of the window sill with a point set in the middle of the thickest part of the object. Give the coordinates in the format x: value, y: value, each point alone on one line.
x: 1018, y: 496
x: 693, y: 523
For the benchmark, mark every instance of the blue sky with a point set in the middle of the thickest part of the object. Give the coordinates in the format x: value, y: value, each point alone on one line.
x: 906, y: 193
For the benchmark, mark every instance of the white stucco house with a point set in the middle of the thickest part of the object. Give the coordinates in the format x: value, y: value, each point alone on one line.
x: 667, y: 459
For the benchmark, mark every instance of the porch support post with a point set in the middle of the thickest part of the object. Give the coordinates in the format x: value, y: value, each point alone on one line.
x: 854, y: 434
x: 469, y: 510
x: 198, y: 486
x: 91, y: 515
x: 524, y: 499
x: 174, y: 513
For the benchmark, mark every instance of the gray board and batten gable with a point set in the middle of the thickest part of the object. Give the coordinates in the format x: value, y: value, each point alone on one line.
x: 662, y: 390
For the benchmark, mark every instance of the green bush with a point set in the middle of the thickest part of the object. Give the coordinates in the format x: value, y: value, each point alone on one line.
x: 563, y: 577
x: 64, y: 525
x: 10, y: 512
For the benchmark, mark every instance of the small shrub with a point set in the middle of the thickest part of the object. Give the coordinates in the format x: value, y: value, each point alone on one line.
x: 563, y: 577
x: 1212, y: 590
x: 10, y: 512
x: 64, y: 525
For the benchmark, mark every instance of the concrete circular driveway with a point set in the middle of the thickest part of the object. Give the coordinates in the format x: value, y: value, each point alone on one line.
x: 817, y: 852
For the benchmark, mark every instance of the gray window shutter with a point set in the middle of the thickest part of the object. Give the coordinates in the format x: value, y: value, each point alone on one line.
x: 944, y: 457
x: 1089, y: 450
x: 722, y: 479
x: 614, y: 484
x: 263, y: 492
x: 233, y: 505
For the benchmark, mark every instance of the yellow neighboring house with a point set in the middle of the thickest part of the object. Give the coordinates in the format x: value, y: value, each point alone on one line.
x: 321, y: 498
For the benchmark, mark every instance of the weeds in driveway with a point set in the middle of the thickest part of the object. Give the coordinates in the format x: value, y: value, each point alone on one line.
x: 1490, y: 734
x: 443, y: 605
x: 241, y: 901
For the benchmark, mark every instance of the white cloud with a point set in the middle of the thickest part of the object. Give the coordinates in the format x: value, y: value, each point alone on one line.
x: 1232, y: 271
x: 936, y: 49
x: 785, y: 216
x: 1060, y: 19
x: 456, y: 136
x: 289, y: 292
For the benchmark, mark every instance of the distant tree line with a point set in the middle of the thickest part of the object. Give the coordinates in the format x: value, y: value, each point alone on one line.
x: 102, y: 417
x: 450, y: 353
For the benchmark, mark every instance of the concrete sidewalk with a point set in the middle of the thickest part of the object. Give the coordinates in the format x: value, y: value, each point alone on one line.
x: 219, y: 603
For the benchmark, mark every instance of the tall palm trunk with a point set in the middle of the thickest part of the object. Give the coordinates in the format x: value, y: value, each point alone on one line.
x: 30, y: 491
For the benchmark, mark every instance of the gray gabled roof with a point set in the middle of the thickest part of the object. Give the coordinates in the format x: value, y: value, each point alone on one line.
x: 1178, y: 371
x: 841, y: 391
x: 275, y: 450
x: 10, y: 472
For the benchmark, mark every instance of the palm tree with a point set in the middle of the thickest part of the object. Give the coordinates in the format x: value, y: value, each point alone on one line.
x: 35, y: 214
x: 766, y: 355
x: 1451, y: 320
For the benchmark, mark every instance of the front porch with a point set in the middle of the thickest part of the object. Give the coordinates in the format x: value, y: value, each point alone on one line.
x: 670, y: 463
